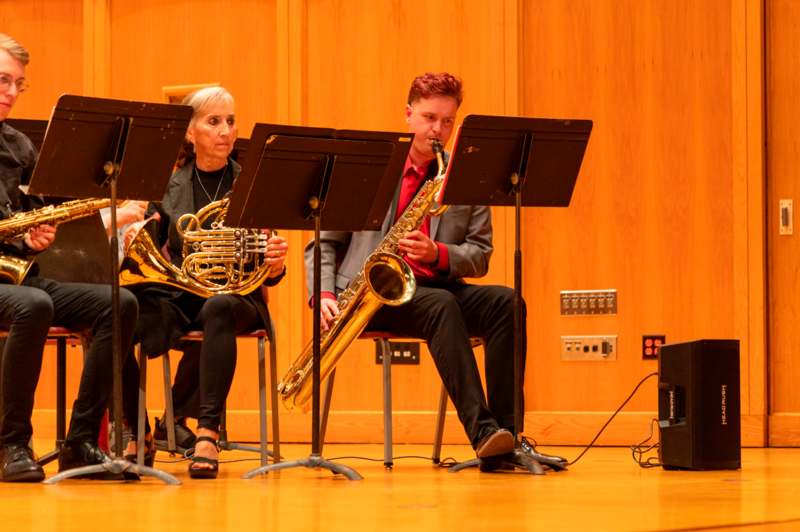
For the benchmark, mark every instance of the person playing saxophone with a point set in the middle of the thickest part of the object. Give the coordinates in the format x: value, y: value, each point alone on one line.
x: 29, y: 309
x: 445, y: 310
x: 205, y: 175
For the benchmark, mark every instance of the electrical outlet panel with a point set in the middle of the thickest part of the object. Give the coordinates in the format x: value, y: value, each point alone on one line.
x: 587, y: 302
x: 603, y: 347
x: 651, y: 345
x: 402, y: 353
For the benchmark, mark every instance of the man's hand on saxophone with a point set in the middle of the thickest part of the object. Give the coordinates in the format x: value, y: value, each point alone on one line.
x: 328, y: 311
x: 40, y: 237
x: 419, y: 247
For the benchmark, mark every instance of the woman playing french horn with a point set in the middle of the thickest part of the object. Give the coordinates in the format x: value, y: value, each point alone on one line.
x: 204, y: 177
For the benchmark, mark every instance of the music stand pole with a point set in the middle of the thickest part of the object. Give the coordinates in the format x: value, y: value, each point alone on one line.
x: 325, y: 167
x: 122, y: 126
x: 517, y: 459
x: 516, y: 162
x: 315, y: 459
x: 118, y: 464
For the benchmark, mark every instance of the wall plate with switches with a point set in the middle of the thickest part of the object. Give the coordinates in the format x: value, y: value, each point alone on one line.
x: 589, y: 347
x: 402, y: 353
x: 578, y: 302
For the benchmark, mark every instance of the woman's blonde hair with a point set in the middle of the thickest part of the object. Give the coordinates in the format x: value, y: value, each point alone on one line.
x: 201, y: 99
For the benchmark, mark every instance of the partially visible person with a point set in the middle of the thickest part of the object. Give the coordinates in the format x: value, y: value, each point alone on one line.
x: 29, y: 309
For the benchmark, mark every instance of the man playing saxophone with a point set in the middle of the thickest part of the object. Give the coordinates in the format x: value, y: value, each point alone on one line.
x: 445, y: 310
x: 29, y: 309
x: 203, y: 178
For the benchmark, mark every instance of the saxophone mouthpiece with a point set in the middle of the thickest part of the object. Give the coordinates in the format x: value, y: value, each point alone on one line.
x: 436, y: 146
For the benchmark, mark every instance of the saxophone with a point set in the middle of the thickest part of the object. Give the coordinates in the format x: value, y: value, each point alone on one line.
x: 385, y: 279
x: 14, y: 269
x: 217, y: 260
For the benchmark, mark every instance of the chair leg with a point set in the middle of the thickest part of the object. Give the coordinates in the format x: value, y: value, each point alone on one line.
x: 273, y: 381
x: 262, y: 401
x: 61, y: 391
x: 223, y: 427
x: 440, y: 416
x: 326, y: 408
x: 140, y: 421
x: 61, y: 401
x: 388, y: 458
x: 169, y: 412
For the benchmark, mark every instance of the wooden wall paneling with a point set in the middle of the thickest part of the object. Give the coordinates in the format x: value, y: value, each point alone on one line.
x: 749, y: 274
x: 155, y: 43
x: 48, y: 29
x: 653, y: 210
x: 96, y: 48
x: 783, y: 83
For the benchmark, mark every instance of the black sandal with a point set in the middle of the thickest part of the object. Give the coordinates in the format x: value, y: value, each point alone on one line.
x: 204, y: 472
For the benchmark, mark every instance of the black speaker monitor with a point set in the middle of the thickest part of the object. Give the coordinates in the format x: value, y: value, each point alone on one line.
x: 698, y: 405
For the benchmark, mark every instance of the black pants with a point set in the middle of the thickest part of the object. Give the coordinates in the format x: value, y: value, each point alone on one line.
x: 213, y: 364
x: 29, y: 310
x: 185, y: 388
x: 446, y: 315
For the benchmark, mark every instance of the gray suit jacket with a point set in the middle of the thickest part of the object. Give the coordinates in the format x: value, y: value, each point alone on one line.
x: 465, y: 230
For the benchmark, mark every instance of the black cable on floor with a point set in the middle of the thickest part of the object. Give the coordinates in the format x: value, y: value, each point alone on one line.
x: 639, y: 449
x: 642, y: 448
x: 625, y: 402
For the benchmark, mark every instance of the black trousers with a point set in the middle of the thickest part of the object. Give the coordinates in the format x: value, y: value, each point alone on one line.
x: 221, y: 318
x: 29, y: 310
x: 211, y: 364
x: 185, y: 388
x: 446, y: 315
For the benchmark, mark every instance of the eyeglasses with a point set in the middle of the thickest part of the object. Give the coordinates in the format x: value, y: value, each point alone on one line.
x: 6, y: 81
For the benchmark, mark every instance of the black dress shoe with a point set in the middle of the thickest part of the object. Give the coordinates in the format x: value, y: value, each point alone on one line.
x: 80, y: 454
x: 497, y: 442
x: 556, y: 463
x: 17, y: 464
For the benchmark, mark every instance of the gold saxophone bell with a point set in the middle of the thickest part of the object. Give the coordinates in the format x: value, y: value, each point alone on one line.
x: 217, y: 260
x: 385, y: 279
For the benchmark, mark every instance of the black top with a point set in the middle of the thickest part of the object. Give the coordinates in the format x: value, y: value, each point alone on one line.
x: 211, y: 186
x: 17, y: 159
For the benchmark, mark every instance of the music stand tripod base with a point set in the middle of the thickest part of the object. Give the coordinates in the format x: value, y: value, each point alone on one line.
x: 312, y: 462
x: 116, y: 466
x: 517, y: 460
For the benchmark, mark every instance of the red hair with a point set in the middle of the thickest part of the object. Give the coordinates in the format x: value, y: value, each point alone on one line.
x: 431, y: 84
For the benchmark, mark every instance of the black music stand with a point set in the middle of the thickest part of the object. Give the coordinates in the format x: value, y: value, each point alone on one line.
x: 516, y: 161
x: 97, y: 147
x: 310, y: 182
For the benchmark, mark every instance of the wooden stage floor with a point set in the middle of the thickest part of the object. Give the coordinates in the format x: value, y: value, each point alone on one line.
x: 606, y: 490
